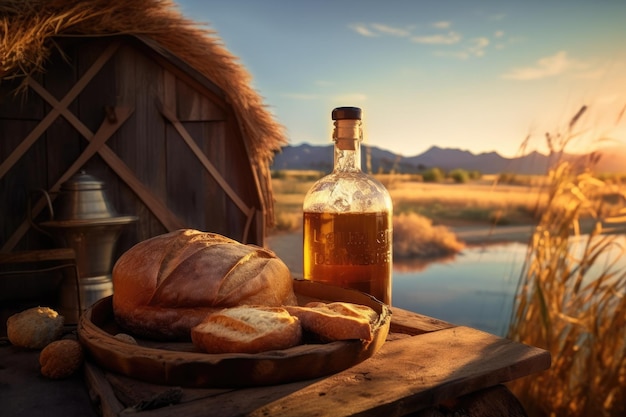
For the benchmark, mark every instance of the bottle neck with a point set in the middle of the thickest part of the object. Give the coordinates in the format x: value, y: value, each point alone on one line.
x: 347, y: 136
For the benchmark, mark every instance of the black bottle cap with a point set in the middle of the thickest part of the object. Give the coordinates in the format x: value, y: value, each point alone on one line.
x: 342, y: 113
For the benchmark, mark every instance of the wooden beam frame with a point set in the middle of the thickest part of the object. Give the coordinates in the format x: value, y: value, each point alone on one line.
x: 97, y: 144
x: 249, y: 212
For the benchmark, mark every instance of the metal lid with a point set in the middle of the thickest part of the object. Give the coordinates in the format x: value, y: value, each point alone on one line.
x: 83, y: 197
x: 82, y: 182
x: 343, y: 113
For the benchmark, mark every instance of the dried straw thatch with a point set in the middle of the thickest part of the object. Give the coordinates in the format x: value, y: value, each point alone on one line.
x: 28, y: 29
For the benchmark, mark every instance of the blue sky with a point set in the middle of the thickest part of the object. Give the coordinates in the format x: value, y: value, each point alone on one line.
x: 474, y: 75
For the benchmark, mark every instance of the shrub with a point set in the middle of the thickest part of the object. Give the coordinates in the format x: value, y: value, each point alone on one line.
x: 433, y: 175
x: 459, y: 176
x: 287, y: 221
x: 414, y: 236
x: 475, y: 175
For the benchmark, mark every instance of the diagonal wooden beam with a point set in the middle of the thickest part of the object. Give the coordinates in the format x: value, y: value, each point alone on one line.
x: 32, y: 137
x: 156, y: 206
x: 106, y: 130
x: 191, y: 143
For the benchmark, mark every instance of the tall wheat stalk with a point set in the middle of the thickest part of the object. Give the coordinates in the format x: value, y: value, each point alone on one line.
x: 571, y: 303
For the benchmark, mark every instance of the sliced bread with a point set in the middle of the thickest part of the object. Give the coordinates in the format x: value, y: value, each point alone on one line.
x: 247, y: 329
x: 336, y: 321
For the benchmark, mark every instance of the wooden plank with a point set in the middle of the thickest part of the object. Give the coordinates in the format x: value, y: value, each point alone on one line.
x: 407, y: 375
x: 61, y: 254
x: 97, y: 141
x: 17, y: 185
x: 142, y: 144
x: 408, y: 322
x: 165, y: 216
x: 193, y: 106
x: 6, y: 165
x: 411, y: 374
x: 109, y: 404
x: 169, y: 115
x: 160, y: 210
x: 181, y: 69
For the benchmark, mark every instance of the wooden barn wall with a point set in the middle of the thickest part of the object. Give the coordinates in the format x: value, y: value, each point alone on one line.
x: 146, y: 142
x: 18, y: 117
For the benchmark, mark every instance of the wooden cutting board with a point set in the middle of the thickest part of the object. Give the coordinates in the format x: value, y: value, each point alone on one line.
x: 179, y: 363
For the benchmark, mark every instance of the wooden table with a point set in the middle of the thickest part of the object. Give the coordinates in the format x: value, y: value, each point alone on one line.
x: 423, y: 364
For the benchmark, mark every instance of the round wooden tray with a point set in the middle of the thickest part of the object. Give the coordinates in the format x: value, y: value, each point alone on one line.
x: 170, y: 363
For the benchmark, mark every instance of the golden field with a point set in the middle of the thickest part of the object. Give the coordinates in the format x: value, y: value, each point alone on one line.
x: 485, y: 201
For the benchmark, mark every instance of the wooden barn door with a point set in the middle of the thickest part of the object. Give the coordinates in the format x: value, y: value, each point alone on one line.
x: 183, y: 139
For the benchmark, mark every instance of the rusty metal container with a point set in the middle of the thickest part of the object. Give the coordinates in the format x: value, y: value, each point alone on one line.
x: 82, y: 218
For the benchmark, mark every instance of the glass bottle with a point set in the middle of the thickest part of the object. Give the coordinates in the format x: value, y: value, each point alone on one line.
x: 348, y: 223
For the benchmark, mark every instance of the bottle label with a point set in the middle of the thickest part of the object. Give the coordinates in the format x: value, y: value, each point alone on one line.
x: 351, y: 250
x: 351, y: 247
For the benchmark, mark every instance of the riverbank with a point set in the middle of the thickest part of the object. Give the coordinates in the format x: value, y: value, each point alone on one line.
x: 288, y: 245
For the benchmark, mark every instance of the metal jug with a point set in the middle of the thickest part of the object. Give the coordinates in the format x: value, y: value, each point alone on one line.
x: 82, y: 197
x: 83, y: 218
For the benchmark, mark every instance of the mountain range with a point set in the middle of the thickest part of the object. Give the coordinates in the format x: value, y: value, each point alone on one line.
x: 319, y: 157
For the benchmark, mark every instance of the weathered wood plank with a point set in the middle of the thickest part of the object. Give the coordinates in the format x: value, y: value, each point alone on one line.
x: 97, y: 142
x: 195, y: 107
x: 56, y: 111
x: 414, y: 373
x: 408, y: 322
x: 407, y: 375
x: 61, y: 254
x: 169, y: 115
x: 102, y: 391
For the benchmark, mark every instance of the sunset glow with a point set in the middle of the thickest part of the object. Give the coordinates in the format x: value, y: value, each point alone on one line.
x: 475, y: 75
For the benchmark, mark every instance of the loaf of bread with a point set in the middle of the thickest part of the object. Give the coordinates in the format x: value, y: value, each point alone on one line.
x: 35, y: 327
x: 247, y: 329
x: 61, y: 358
x: 337, y: 320
x: 164, y: 286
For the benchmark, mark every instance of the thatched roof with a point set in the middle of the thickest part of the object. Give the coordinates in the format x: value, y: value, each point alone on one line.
x: 28, y: 29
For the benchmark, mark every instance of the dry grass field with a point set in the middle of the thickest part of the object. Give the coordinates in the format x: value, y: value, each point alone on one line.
x: 425, y: 211
x: 484, y: 201
x: 481, y: 201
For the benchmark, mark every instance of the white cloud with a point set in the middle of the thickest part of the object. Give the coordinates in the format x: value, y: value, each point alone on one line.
x: 544, y: 67
x: 443, y: 24
x: 478, y: 45
x: 448, y: 39
x: 498, y: 34
x: 363, y: 30
x: 390, y: 30
x: 377, y: 29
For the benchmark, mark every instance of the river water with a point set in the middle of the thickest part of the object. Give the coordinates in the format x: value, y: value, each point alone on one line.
x: 477, y: 287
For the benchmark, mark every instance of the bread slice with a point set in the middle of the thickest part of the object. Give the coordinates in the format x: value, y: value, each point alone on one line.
x: 247, y: 329
x: 336, y: 321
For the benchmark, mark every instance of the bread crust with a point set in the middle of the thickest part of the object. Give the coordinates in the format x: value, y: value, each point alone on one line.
x: 247, y: 329
x: 336, y: 321
x: 61, y: 358
x: 35, y: 327
x: 165, y: 285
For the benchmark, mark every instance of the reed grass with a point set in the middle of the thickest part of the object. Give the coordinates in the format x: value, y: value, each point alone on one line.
x: 571, y: 304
